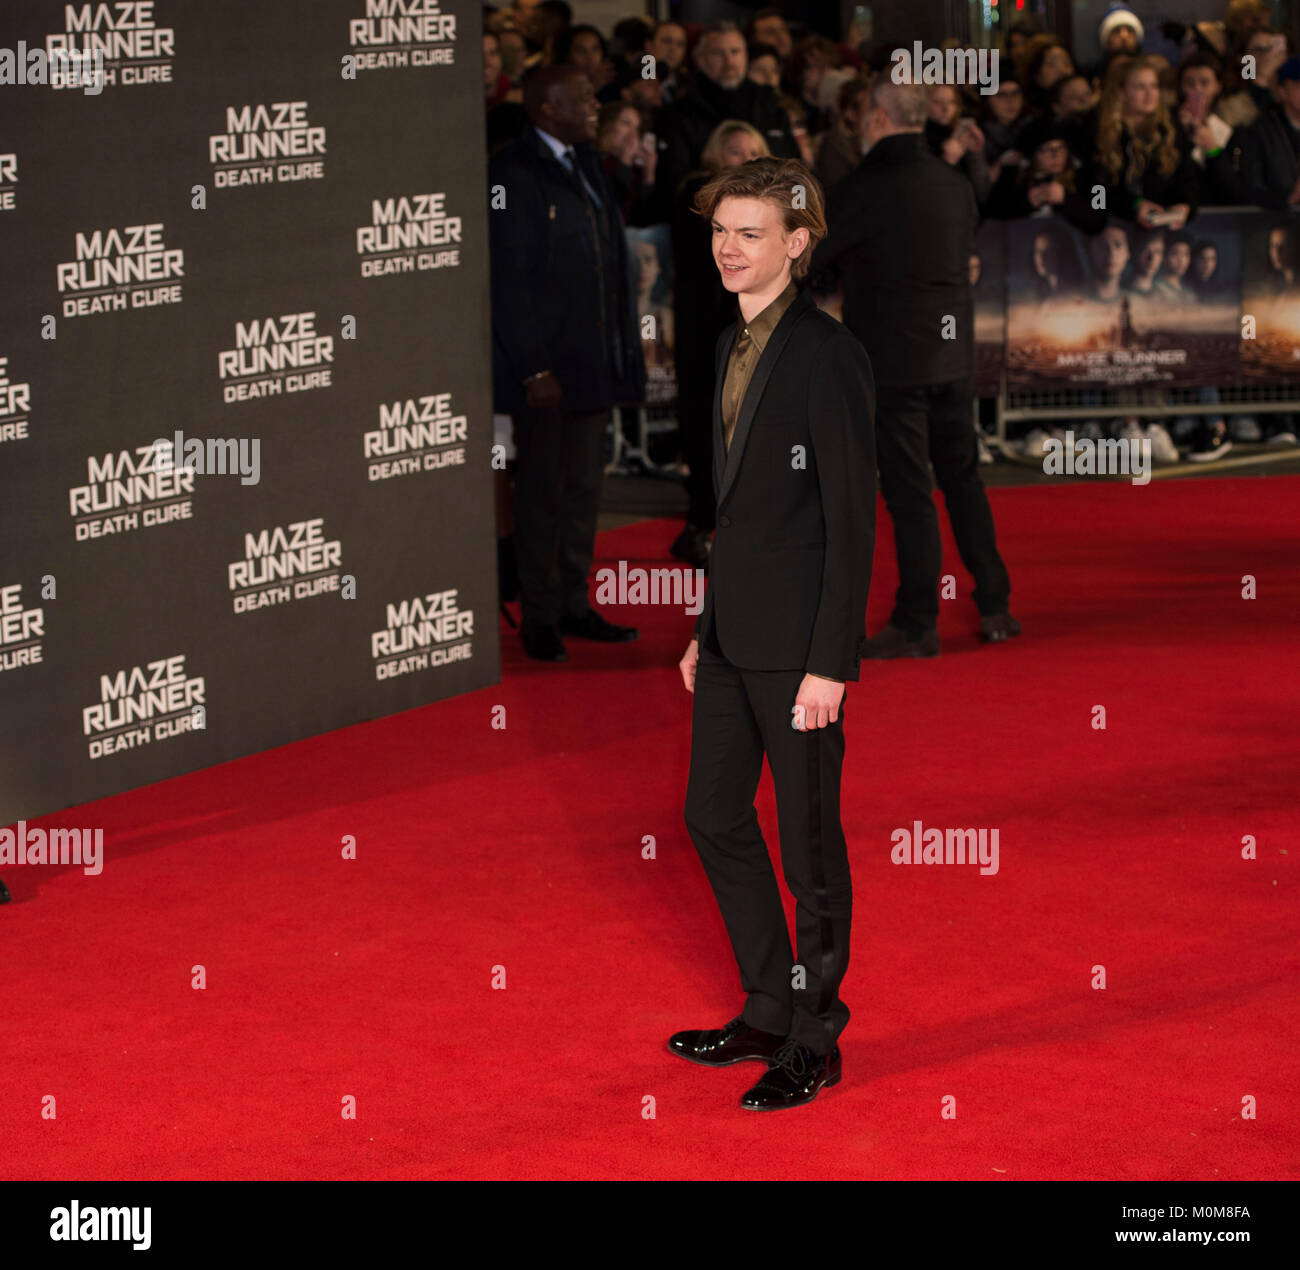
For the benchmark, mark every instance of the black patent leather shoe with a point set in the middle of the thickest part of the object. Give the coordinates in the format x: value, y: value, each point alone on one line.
x: 720, y: 1047
x: 794, y: 1078
x: 542, y: 643
x: 592, y: 626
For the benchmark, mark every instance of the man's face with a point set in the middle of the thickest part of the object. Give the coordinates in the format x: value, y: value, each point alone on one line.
x: 1151, y: 256
x: 723, y: 59
x: 1207, y: 261
x: 1051, y: 157
x: 750, y: 245
x: 1122, y: 39
x: 585, y: 54
x: 1202, y: 83
x: 571, y: 113
x: 1178, y: 259
x: 766, y: 70
x: 1007, y: 101
x: 491, y: 60
x: 669, y: 45
x: 1076, y: 96
x: 1109, y: 252
x: 774, y: 31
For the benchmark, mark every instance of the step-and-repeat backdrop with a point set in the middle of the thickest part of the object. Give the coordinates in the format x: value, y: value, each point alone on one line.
x: 245, y: 381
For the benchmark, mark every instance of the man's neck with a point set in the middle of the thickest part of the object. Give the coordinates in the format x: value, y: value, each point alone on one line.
x: 752, y: 303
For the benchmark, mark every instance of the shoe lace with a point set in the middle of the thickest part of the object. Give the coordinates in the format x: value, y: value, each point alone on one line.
x: 793, y: 1057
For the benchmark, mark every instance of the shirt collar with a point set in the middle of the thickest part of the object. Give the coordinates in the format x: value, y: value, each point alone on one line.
x: 761, y: 326
x: 557, y: 147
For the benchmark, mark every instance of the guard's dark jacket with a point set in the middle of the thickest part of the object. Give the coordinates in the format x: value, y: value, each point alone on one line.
x: 902, y: 226
x: 562, y: 298
x: 791, y: 559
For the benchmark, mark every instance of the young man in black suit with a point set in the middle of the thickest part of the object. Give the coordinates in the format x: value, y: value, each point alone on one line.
x: 781, y: 630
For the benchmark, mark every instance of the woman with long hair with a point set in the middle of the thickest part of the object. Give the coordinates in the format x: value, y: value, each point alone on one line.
x: 1139, y: 151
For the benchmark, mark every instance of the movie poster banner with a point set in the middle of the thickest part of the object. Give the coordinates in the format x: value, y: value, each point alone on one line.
x: 1155, y: 308
x: 650, y: 253
x: 1270, y: 297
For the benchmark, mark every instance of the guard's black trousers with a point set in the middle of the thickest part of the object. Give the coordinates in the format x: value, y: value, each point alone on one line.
x: 739, y: 715
x: 917, y: 428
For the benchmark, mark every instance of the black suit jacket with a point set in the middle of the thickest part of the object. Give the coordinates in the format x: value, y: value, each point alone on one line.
x: 791, y: 558
x: 901, y: 229
x: 562, y: 298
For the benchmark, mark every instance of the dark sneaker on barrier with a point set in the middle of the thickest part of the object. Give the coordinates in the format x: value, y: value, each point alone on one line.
x: 999, y: 627
x: 734, y: 1043
x: 893, y: 641
x: 795, y: 1077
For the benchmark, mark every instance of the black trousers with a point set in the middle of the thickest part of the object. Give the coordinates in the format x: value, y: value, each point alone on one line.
x: 740, y: 715
x: 558, y: 475
x: 917, y: 428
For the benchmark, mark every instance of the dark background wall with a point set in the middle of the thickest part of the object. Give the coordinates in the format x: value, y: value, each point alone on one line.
x: 109, y: 383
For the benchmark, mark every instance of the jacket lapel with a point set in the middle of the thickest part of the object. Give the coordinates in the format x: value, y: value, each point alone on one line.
x: 753, y: 394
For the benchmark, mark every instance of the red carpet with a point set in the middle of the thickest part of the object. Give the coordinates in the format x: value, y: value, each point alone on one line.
x: 521, y: 847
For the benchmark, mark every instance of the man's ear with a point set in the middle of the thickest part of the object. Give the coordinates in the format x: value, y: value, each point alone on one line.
x: 798, y: 241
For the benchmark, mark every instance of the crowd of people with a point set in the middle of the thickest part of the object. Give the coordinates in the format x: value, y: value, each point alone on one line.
x: 1167, y: 122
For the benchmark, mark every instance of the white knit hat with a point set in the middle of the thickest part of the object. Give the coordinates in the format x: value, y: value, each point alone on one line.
x: 1117, y: 15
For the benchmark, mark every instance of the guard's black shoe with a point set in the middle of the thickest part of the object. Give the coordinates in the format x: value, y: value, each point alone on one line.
x: 721, y: 1047
x: 542, y: 643
x: 893, y: 641
x: 692, y: 545
x: 794, y: 1078
x: 999, y: 627
x: 592, y: 626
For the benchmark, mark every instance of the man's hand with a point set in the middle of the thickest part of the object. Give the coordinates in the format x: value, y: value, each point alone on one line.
x: 817, y: 703
x: 688, y: 663
x: 543, y: 393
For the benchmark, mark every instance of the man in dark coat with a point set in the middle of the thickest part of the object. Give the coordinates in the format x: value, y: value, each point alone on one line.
x: 901, y: 231
x: 565, y: 347
x: 719, y: 91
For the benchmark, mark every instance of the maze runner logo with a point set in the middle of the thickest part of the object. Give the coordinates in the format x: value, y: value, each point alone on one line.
x: 273, y: 558
x: 255, y: 134
x: 428, y: 630
x: 270, y: 354
x: 153, y: 702
x: 62, y: 68
x: 397, y: 33
x: 21, y: 630
x: 111, y: 267
x: 128, y: 489
x: 415, y: 435
x: 15, y: 406
x: 8, y: 182
x: 129, y: 44
x: 399, y: 227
